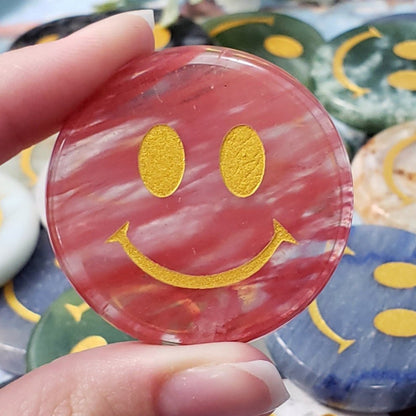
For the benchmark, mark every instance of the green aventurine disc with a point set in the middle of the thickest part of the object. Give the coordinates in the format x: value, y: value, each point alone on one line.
x: 68, y: 326
x: 283, y: 40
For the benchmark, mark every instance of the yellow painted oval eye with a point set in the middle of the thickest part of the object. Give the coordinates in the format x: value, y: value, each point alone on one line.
x: 161, y: 161
x: 396, y: 275
x: 396, y: 322
x: 405, y: 80
x: 48, y: 38
x: 406, y: 49
x: 162, y: 36
x: 88, y: 343
x: 242, y: 161
x: 283, y: 46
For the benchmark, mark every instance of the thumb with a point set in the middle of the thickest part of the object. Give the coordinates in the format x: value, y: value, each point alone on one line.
x: 41, y: 85
x: 132, y: 379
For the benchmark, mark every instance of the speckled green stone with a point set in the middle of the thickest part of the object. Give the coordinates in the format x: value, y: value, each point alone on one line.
x: 366, y: 62
x: 251, y: 30
x: 58, y: 332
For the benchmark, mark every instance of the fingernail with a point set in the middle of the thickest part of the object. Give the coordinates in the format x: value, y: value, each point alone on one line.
x: 238, y: 389
x: 147, y: 15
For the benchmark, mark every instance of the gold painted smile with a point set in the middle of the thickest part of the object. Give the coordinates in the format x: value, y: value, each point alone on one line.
x: 188, y: 281
x: 161, y: 163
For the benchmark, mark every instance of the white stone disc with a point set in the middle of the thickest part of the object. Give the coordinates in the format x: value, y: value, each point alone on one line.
x: 19, y: 227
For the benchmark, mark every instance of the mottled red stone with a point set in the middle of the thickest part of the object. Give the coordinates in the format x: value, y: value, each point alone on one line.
x: 202, y: 228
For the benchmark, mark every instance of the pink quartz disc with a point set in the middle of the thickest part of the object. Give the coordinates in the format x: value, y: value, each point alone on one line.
x: 201, y: 195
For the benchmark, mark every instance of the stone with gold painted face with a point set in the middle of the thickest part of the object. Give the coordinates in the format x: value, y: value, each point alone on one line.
x: 69, y: 325
x: 384, y: 173
x: 283, y: 40
x: 355, y: 346
x: 23, y: 300
x: 366, y: 77
x: 182, y: 198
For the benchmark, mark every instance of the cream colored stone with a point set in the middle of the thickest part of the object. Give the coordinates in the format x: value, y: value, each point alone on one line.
x: 377, y: 201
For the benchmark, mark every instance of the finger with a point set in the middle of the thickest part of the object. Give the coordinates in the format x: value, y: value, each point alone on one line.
x: 132, y: 379
x: 40, y: 85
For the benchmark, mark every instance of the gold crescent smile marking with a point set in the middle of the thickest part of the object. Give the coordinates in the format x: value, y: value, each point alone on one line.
x: 211, y: 281
x: 222, y: 27
x: 323, y: 327
x: 388, y: 166
x: 341, y: 53
x: 18, y: 307
x: 25, y: 165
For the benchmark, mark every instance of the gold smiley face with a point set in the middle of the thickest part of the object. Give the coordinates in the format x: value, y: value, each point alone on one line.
x: 402, y: 79
x: 161, y: 163
x: 399, y: 322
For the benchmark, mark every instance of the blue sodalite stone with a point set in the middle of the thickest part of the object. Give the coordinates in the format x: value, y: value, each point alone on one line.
x: 347, y: 359
x: 38, y: 284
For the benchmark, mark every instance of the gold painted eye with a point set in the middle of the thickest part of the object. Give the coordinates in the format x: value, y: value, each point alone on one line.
x: 88, y: 343
x: 47, y: 38
x: 396, y: 275
x: 283, y: 46
x: 406, y: 49
x: 242, y: 161
x: 162, y: 36
x: 405, y: 80
x: 396, y: 322
x: 161, y: 161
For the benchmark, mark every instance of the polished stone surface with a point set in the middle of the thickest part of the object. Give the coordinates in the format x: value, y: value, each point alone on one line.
x: 69, y: 326
x: 355, y: 346
x: 283, y: 40
x: 19, y: 227
x: 366, y: 76
x: 23, y: 300
x: 28, y: 164
x: 302, y: 404
x: 183, y: 203
x: 6, y: 378
x: 384, y: 173
x: 353, y: 139
x: 181, y: 32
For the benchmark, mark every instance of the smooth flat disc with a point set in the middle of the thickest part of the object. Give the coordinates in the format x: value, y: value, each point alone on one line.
x: 183, y: 198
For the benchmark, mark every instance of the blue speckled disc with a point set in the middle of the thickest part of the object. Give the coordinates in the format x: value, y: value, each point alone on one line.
x: 353, y: 348
x: 23, y: 300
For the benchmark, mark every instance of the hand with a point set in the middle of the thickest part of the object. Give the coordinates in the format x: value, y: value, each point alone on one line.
x: 39, y: 87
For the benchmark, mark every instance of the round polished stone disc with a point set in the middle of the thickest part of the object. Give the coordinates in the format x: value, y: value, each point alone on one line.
x: 19, y: 227
x: 366, y: 77
x: 183, y: 197
x: 68, y: 326
x: 283, y: 40
x: 302, y: 404
x: 181, y: 32
x: 384, y: 173
x: 24, y: 299
x: 27, y: 166
x: 354, y: 348
x: 56, y: 29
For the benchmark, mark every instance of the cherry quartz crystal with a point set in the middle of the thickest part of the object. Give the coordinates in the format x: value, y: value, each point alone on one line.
x: 201, y: 195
